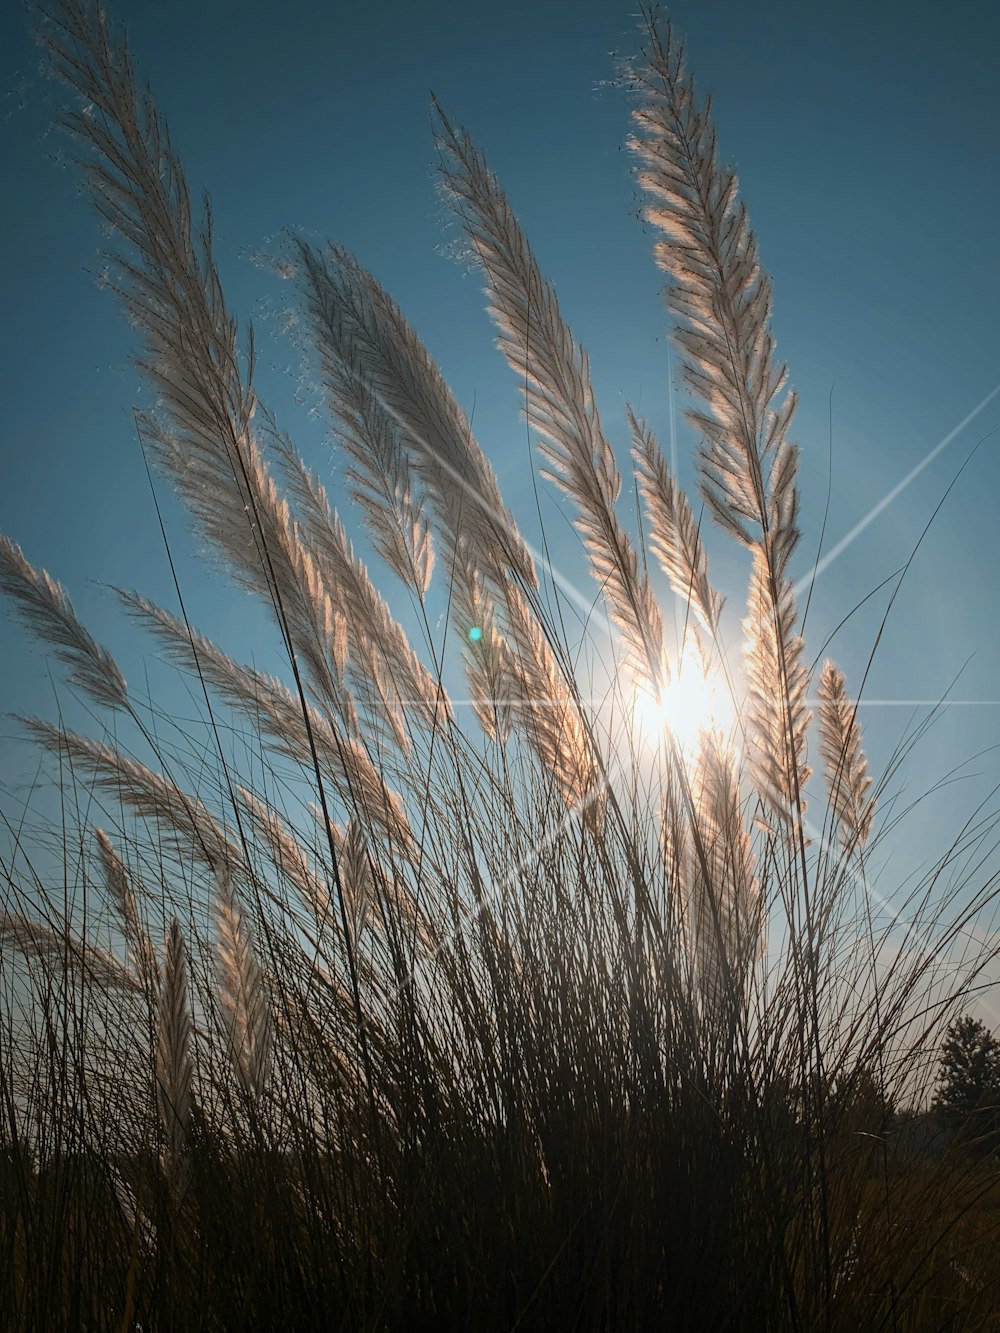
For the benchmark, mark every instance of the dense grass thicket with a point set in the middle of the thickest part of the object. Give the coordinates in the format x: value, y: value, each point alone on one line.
x: 367, y: 1009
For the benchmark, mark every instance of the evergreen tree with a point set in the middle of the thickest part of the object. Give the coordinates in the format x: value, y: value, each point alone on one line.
x: 967, y: 1099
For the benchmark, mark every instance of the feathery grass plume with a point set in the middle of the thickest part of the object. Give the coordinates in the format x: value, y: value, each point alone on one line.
x: 242, y: 991
x: 343, y: 759
x: 673, y: 534
x: 55, y: 949
x: 288, y: 854
x: 560, y: 404
x: 357, y: 879
x: 172, y: 293
x: 175, y: 1056
x: 392, y: 500
x: 385, y: 490
x: 376, y: 894
x: 778, y: 717
x: 548, y: 716
x: 844, y: 757
x: 372, y: 631
x: 486, y: 653
x: 147, y: 793
x: 719, y: 293
x: 358, y: 326
x: 725, y: 922
x: 722, y: 298
x: 46, y: 609
x: 263, y: 698
x: 124, y: 897
x: 276, y: 564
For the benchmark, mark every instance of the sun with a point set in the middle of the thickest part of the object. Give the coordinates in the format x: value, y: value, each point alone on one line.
x: 694, y: 702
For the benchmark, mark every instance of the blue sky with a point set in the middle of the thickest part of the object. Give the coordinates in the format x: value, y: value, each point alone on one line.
x: 865, y: 139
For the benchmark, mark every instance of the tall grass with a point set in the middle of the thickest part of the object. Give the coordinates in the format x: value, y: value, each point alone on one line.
x: 395, y: 1014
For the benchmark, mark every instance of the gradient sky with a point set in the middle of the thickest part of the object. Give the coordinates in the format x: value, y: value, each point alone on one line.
x: 866, y: 143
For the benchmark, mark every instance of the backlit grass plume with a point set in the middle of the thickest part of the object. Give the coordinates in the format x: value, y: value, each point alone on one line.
x: 510, y: 979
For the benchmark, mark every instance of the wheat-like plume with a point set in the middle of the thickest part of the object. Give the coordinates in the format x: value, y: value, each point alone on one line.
x: 357, y: 878
x: 673, y: 534
x: 374, y: 894
x: 242, y: 991
x: 372, y: 631
x: 175, y: 1054
x: 287, y: 853
x: 266, y: 701
x: 560, y: 404
x: 172, y: 293
x: 487, y: 655
x: 46, y: 609
x: 548, y: 716
x: 844, y: 757
x: 148, y: 793
x: 722, y: 299
x: 263, y: 698
x: 392, y: 506
x: 57, y: 948
x: 276, y: 563
x: 353, y: 317
x: 392, y: 499
x: 120, y: 888
x: 724, y: 909
x: 720, y: 294
x: 778, y: 717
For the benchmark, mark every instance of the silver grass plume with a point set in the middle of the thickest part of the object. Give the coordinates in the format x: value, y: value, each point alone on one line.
x: 487, y: 655
x: 724, y: 909
x: 357, y: 879
x: 55, y: 949
x: 174, y: 1055
x: 383, y: 484
x: 171, y: 291
x: 120, y: 888
x: 722, y: 300
x: 275, y: 564
x: 374, y: 362
x: 343, y: 759
x: 368, y: 886
x: 359, y: 327
x: 265, y: 699
x: 373, y: 634
x: 46, y: 609
x: 242, y: 992
x: 287, y: 853
x: 540, y: 348
x: 548, y: 715
x: 392, y: 506
x: 674, y: 535
x: 778, y: 717
x: 719, y: 292
x: 843, y: 754
x: 137, y: 787
x: 675, y: 826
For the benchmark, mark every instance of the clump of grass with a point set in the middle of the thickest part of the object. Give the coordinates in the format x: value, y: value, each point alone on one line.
x: 524, y: 1026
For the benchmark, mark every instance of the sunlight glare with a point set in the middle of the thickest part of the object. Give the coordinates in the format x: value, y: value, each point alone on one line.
x: 695, y: 701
